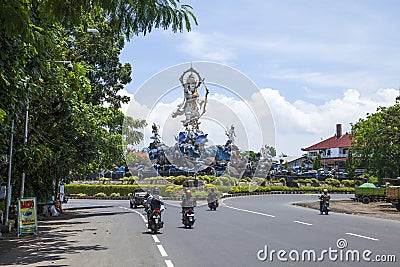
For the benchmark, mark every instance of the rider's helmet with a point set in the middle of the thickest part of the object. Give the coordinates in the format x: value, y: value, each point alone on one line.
x: 325, y: 191
x: 212, y: 189
x: 188, y: 192
x: 156, y: 191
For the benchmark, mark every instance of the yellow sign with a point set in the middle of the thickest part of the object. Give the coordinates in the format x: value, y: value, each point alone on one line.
x: 27, y: 218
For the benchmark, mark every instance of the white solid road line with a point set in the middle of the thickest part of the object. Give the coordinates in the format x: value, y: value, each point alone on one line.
x: 363, y: 236
x: 250, y: 211
x: 302, y: 223
x: 155, y: 238
x: 162, y: 251
x: 141, y: 215
x: 169, y: 263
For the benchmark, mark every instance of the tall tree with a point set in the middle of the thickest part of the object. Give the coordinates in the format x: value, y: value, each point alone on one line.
x: 74, y: 122
x: 376, y: 140
x: 351, y: 164
x: 317, y: 162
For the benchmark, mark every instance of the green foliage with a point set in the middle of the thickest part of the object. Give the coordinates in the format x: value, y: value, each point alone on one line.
x: 252, y: 156
x: 130, y: 130
x: 348, y: 182
x: 309, y: 189
x: 271, y: 151
x: 199, y: 194
x: 239, y: 189
x: 286, y: 165
x: 245, y: 179
x: 376, y: 141
x: 209, y: 186
x: 332, y: 181
x: 351, y: 164
x: 314, y: 182
x: 2, y: 115
x: 374, y: 180
x: 75, y: 127
x: 317, y: 162
x: 115, y: 195
x: 100, y: 194
x: 281, y: 180
x: 92, y: 190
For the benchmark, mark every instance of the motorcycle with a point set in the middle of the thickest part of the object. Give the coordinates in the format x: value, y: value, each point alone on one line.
x: 324, y: 207
x: 213, y: 204
x: 188, y: 217
x: 154, y: 222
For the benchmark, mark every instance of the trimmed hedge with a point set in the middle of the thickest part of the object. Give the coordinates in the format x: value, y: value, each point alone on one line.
x: 246, y: 189
x: 92, y: 190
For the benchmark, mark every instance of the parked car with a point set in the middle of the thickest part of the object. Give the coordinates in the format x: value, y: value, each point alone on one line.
x: 138, y: 198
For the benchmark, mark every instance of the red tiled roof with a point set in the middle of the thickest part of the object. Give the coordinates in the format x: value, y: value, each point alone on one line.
x: 332, y: 142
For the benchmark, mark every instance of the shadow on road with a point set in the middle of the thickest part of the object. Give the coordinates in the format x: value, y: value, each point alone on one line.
x: 52, y: 242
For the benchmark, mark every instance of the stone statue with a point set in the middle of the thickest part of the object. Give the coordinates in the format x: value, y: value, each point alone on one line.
x: 231, y: 134
x: 192, y: 107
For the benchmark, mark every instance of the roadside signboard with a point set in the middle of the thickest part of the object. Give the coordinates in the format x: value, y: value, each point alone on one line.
x: 27, y: 215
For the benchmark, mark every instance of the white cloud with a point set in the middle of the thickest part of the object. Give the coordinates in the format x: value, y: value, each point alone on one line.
x: 211, y: 46
x: 301, y: 124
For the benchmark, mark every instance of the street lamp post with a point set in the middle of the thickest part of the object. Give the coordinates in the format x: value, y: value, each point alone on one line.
x: 25, y: 141
x: 9, y: 174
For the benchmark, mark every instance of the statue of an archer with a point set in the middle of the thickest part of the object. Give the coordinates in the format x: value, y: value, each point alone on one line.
x: 193, y: 106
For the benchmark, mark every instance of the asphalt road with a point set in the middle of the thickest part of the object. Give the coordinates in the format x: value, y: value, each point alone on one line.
x: 239, y: 233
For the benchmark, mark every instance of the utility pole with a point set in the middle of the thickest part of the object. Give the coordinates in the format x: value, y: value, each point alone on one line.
x: 9, y: 174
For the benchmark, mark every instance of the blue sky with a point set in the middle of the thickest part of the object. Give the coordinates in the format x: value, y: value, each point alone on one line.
x: 316, y: 62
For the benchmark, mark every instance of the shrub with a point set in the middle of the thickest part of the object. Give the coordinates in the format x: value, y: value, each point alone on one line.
x: 282, y: 180
x: 348, y: 182
x: 173, y: 190
x: 114, y: 195
x: 218, y: 181
x: 332, y: 181
x: 224, y: 188
x: 100, y: 194
x: 199, y: 194
x: 209, y: 186
x: 92, y: 189
x: 226, y: 180
x: 314, y: 182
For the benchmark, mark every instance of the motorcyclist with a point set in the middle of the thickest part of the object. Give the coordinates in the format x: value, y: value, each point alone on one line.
x: 187, y: 201
x: 325, y: 197
x: 212, y: 196
x: 150, y: 204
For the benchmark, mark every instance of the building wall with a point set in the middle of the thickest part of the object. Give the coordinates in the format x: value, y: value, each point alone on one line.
x: 329, y: 153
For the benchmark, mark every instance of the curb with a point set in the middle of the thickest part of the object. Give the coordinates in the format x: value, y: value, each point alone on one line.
x: 226, y: 195
x: 277, y: 192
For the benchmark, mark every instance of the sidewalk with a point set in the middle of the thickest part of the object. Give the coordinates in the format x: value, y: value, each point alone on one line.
x: 43, y: 248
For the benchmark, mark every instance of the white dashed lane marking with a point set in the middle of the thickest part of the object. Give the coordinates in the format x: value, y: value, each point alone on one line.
x: 303, y: 223
x: 155, y: 238
x: 169, y: 263
x: 363, y: 236
x: 250, y: 211
x: 162, y: 251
